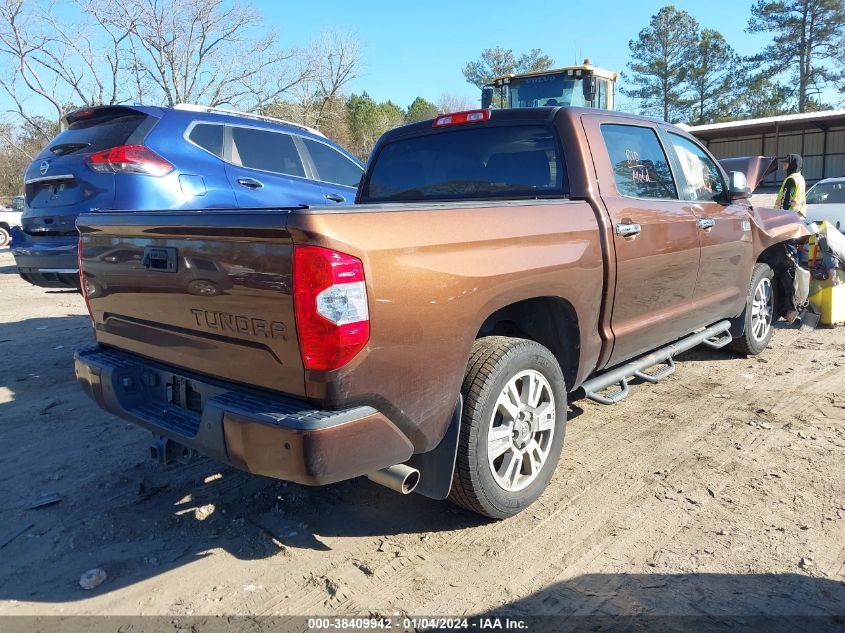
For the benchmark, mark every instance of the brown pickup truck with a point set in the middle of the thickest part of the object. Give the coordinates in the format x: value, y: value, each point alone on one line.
x: 428, y: 337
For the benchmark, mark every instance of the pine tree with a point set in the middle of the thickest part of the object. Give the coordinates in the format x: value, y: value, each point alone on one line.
x: 661, y: 61
x: 807, y: 36
x: 711, y: 76
x: 500, y: 61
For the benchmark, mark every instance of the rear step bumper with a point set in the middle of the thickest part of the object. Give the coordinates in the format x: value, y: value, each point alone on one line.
x: 260, y: 433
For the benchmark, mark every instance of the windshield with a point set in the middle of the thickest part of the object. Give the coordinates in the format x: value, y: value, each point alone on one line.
x: 546, y: 90
x: 465, y: 163
x: 827, y: 193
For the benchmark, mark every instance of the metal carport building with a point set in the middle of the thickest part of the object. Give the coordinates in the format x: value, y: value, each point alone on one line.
x: 818, y: 136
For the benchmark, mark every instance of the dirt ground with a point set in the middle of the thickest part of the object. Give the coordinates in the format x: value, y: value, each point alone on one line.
x: 721, y: 490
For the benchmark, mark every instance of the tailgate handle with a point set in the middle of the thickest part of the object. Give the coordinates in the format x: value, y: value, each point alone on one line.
x: 160, y: 258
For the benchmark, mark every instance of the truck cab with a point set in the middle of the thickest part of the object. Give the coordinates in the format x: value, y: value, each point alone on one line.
x: 583, y: 85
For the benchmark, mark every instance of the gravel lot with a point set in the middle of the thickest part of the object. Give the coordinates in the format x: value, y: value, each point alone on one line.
x: 720, y: 490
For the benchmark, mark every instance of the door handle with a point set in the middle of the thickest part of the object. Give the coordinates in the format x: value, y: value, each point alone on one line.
x: 626, y: 230
x: 706, y: 223
x: 250, y: 183
x: 335, y: 197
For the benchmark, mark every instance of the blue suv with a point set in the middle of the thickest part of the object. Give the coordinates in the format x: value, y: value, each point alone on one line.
x: 187, y: 157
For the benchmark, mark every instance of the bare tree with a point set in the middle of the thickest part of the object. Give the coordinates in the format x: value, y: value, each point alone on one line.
x: 449, y: 102
x: 202, y: 51
x: 334, y: 62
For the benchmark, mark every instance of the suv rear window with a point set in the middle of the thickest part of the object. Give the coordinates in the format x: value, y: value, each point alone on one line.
x: 209, y: 137
x: 97, y: 133
x: 515, y: 161
x: 333, y: 166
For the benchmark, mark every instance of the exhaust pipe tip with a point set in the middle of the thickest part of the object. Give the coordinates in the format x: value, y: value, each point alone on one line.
x: 399, y: 478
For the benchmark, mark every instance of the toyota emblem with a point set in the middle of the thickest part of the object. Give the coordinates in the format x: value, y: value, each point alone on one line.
x: 43, y: 167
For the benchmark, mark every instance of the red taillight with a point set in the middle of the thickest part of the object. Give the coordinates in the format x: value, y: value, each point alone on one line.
x: 82, y: 285
x: 459, y: 118
x: 330, y: 302
x: 129, y: 159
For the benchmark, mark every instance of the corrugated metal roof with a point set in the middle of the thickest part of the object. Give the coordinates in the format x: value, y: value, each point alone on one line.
x: 806, y: 117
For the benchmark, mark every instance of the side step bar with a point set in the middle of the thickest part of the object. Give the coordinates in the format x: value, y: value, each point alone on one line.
x: 715, y: 336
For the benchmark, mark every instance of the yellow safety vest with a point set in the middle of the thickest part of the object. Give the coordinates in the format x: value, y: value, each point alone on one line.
x: 799, y: 200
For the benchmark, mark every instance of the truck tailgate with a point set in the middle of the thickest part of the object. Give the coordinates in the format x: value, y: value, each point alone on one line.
x: 208, y: 291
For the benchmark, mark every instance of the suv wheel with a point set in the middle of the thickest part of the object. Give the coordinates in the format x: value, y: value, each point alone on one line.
x: 512, y: 427
x: 5, y: 237
x: 759, y: 313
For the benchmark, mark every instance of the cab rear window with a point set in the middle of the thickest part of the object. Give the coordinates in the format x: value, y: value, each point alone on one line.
x: 519, y: 161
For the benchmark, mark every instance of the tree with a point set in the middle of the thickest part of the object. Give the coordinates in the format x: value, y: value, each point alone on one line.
x: 334, y: 62
x: 759, y: 97
x: 807, y: 35
x: 421, y: 110
x: 201, y: 51
x: 662, y: 57
x: 500, y: 61
x: 449, y: 102
x: 711, y: 75
x: 213, y: 52
x: 368, y: 120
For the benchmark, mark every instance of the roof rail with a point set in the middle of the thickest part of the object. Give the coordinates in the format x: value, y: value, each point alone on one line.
x: 194, y: 107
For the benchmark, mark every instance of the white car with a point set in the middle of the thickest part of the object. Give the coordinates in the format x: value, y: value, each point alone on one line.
x: 9, y: 217
x: 826, y: 201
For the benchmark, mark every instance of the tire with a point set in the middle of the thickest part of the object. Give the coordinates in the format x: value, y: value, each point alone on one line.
x: 759, y: 313
x: 203, y: 287
x: 92, y: 288
x: 507, y: 484
x: 5, y: 237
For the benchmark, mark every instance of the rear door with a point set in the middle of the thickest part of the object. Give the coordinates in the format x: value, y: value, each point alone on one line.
x: 724, y: 232
x: 655, y: 236
x: 266, y: 170
x: 59, y: 184
x: 338, y: 174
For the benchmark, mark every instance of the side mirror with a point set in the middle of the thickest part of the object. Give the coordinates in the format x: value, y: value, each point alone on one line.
x: 739, y: 188
x: 486, y: 97
x: 588, y: 85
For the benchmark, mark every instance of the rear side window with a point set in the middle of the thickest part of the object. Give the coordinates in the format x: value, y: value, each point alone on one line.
x: 639, y: 164
x: 209, y: 137
x: 516, y: 161
x: 97, y: 133
x: 267, y: 151
x: 332, y: 166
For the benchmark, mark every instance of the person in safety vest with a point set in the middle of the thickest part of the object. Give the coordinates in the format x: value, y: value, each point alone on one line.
x: 793, y: 189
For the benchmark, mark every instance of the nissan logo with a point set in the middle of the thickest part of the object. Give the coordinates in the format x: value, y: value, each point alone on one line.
x: 43, y: 167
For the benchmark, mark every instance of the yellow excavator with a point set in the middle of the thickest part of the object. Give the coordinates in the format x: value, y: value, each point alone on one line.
x: 582, y: 85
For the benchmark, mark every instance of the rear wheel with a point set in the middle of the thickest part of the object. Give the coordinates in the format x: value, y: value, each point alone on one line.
x: 512, y: 429
x: 5, y: 237
x: 759, y: 313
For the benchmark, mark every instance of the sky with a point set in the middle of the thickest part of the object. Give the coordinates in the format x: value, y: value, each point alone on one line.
x: 419, y: 48
x: 415, y: 49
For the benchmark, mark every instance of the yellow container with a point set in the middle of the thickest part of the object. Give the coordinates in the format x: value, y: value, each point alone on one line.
x: 830, y: 300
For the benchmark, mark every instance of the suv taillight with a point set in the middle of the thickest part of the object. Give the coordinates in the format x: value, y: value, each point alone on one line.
x: 129, y: 159
x: 330, y: 302
x: 83, y: 287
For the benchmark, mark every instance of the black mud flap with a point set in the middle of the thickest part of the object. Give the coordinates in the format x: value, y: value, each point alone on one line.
x: 437, y: 467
